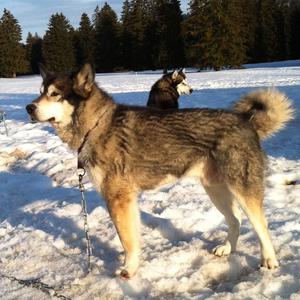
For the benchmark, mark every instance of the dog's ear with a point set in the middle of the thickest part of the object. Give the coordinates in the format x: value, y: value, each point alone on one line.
x: 174, y: 75
x: 182, y: 70
x: 84, y: 80
x: 43, y: 71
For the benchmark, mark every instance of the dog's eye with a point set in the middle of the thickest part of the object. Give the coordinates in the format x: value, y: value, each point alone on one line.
x: 54, y: 94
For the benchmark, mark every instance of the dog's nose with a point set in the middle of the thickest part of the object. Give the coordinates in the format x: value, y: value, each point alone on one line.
x: 191, y: 90
x: 31, y: 108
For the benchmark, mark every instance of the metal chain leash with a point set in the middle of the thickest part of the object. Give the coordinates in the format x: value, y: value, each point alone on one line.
x: 81, y: 173
x: 36, y: 284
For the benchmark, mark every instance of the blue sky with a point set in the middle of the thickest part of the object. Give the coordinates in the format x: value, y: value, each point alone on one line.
x: 33, y: 15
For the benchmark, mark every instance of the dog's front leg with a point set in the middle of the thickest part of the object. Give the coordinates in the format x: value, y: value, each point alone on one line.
x: 123, y: 209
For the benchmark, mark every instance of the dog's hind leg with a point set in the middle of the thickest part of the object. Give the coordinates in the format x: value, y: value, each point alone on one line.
x: 123, y: 209
x: 253, y: 208
x: 241, y: 164
x: 226, y: 204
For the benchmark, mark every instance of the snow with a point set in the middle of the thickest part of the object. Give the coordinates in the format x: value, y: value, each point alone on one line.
x: 41, y: 229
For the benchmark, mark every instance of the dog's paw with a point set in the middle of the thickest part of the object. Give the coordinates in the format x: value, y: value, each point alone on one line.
x: 269, y: 263
x: 222, y: 250
x: 130, y: 266
x: 123, y: 274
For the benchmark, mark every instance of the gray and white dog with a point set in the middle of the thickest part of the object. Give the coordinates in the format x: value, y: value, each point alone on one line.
x: 165, y: 92
x: 123, y: 155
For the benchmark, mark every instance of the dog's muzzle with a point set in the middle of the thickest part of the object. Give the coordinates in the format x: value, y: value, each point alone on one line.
x: 31, y: 108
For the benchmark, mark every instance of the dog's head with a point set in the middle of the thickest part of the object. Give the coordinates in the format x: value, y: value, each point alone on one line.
x: 182, y: 86
x: 60, y: 94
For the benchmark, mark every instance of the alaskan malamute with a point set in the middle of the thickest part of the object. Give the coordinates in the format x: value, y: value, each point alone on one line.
x: 123, y: 155
x: 165, y: 92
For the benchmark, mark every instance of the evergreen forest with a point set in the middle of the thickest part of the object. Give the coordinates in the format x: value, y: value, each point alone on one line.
x: 156, y: 34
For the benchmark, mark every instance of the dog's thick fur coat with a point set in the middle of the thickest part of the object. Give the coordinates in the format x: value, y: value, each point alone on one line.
x: 128, y: 149
x: 165, y: 92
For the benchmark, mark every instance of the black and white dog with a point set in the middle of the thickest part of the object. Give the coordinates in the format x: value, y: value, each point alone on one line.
x: 165, y: 92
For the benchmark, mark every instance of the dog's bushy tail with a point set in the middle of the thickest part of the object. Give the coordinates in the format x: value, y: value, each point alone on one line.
x: 267, y: 109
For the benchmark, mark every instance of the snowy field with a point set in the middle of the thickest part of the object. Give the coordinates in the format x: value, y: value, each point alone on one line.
x: 41, y: 229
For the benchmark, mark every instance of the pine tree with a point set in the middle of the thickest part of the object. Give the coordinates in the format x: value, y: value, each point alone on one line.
x: 214, y: 34
x: 249, y: 24
x: 193, y: 32
x: 214, y: 42
x: 266, y: 42
x: 57, y: 48
x: 168, y: 23
x: 139, y: 38
x: 294, y: 30
x: 34, y: 52
x: 150, y: 45
x: 150, y: 31
x: 238, y: 33
x: 151, y: 34
x: 107, y: 43
x: 125, y: 36
x: 137, y: 24
x: 84, y: 41
x: 12, y: 52
x: 282, y: 20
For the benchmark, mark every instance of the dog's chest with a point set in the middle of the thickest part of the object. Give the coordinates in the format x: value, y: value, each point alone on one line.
x: 96, y: 175
x: 95, y: 171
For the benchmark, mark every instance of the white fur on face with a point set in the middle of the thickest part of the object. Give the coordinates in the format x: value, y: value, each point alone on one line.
x: 183, y: 88
x: 47, y: 110
x: 52, y: 107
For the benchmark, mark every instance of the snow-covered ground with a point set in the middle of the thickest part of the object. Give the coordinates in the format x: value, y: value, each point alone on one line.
x: 41, y: 229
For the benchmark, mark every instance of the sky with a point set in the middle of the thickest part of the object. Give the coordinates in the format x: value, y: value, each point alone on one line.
x: 33, y: 15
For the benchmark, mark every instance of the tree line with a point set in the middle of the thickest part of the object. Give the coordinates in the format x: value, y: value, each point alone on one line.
x: 152, y: 34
